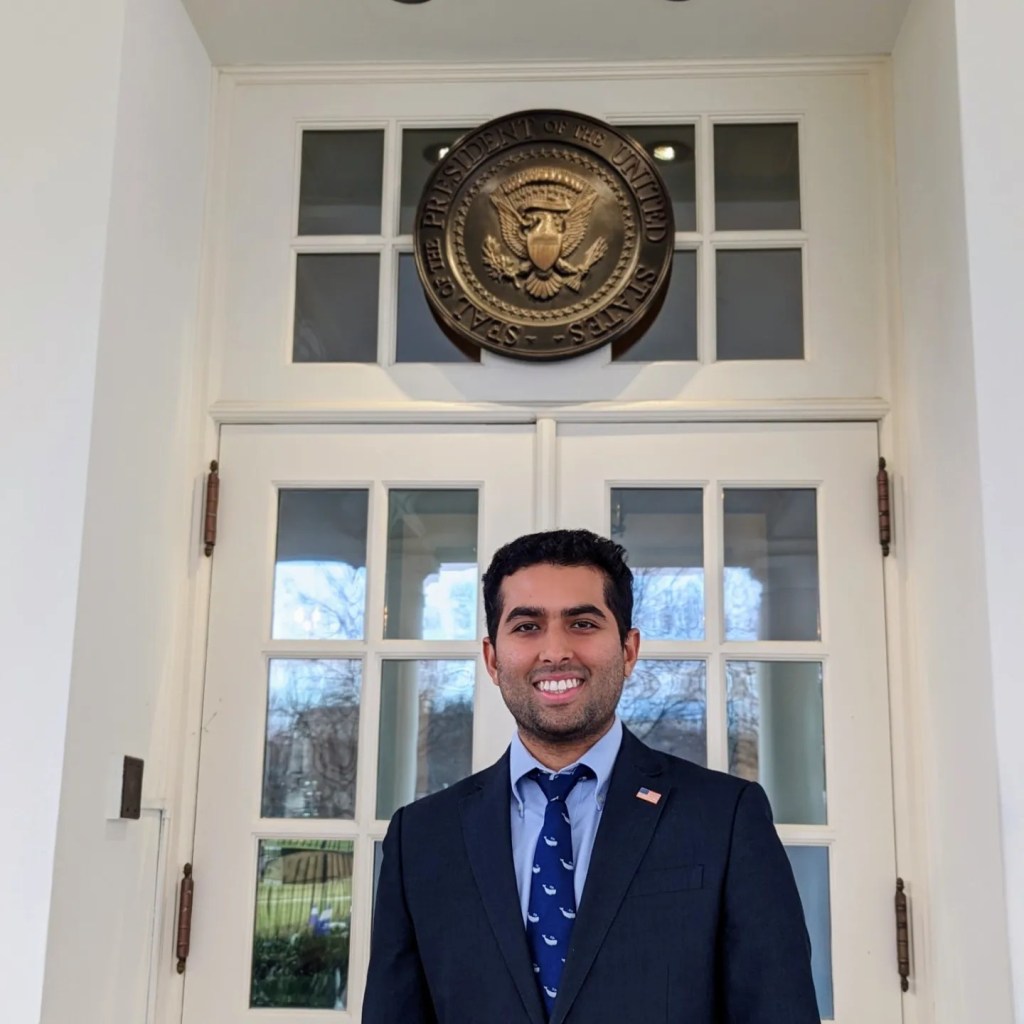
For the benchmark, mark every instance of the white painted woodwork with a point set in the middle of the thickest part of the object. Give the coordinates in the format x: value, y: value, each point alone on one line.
x: 955, y: 594
x: 839, y: 110
x: 994, y: 209
x: 132, y: 629
x: 305, y: 31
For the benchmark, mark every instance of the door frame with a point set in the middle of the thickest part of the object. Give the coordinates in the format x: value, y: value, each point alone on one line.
x: 167, y: 1005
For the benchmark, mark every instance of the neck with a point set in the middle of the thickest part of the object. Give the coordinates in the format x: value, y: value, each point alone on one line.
x: 558, y: 754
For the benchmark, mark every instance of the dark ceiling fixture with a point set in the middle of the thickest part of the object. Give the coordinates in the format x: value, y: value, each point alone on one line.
x: 410, y: 1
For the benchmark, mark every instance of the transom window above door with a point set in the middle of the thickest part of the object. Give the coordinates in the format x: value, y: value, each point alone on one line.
x: 781, y: 265
x: 739, y: 245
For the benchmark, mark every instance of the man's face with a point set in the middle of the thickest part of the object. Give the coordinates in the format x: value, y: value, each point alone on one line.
x: 557, y: 657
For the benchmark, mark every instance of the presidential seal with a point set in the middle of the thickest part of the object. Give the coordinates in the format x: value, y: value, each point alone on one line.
x: 544, y: 234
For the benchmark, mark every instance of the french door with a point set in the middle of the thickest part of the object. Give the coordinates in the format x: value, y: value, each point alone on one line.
x: 344, y: 678
x: 758, y: 589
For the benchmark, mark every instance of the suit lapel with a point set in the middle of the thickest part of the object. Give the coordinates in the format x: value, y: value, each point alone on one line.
x: 626, y: 829
x: 488, y: 837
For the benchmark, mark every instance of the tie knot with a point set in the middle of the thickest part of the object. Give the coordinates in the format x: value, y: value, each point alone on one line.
x: 558, y: 787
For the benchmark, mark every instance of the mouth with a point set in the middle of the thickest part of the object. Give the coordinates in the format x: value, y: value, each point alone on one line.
x: 559, y: 689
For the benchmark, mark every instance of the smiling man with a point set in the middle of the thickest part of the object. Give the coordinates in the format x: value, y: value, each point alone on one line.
x: 584, y: 878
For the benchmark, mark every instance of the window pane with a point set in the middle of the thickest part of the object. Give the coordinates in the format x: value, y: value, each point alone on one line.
x: 422, y: 150
x: 426, y: 729
x: 771, y: 564
x: 672, y: 147
x: 336, y: 308
x: 341, y: 182
x: 309, y: 767
x: 664, y: 703
x: 432, y: 576
x: 320, y: 570
x: 673, y: 334
x: 757, y: 177
x: 303, y: 916
x: 378, y: 861
x: 662, y: 528
x: 777, y: 735
x: 760, y: 304
x: 810, y: 866
x: 420, y: 339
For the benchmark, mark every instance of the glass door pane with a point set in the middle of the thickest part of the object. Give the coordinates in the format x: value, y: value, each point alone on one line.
x: 426, y: 729
x: 432, y: 572
x: 312, y: 738
x: 775, y: 715
x: 662, y: 528
x: 303, y: 924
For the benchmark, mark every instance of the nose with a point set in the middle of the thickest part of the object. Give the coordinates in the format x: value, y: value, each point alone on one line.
x: 557, y: 646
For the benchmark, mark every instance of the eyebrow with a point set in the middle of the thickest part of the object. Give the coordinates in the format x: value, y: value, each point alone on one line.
x: 530, y: 612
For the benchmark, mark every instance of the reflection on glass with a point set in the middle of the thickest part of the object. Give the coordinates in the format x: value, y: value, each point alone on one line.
x: 810, y: 866
x: 426, y: 729
x: 662, y: 528
x: 760, y: 304
x: 420, y: 339
x: 771, y: 564
x: 776, y: 734
x: 672, y: 146
x: 320, y: 568
x: 757, y: 177
x: 665, y: 704
x: 303, y: 913
x: 378, y: 860
x: 336, y: 308
x: 309, y: 768
x: 341, y: 182
x: 673, y: 334
x: 422, y: 148
x: 431, y: 584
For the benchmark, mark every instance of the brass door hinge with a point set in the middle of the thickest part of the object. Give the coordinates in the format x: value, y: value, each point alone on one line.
x: 884, y: 508
x: 902, y: 935
x: 186, y: 891
x: 212, y: 504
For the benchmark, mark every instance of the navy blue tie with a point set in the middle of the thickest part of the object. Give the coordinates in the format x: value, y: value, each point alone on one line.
x: 552, y: 908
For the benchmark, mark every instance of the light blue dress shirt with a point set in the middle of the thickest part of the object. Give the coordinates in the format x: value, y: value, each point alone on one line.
x: 584, y: 804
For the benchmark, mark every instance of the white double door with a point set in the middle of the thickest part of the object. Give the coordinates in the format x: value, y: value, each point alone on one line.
x: 344, y: 678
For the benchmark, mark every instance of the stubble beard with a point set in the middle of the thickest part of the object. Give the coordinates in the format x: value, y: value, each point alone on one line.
x: 589, y: 719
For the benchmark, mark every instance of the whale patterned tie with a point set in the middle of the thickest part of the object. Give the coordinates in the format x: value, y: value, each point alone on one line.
x: 552, y: 907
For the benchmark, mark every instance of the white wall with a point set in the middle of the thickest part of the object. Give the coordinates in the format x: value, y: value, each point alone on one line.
x: 130, y: 636
x: 956, y: 876
x: 989, y: 34
x: 59, y: 69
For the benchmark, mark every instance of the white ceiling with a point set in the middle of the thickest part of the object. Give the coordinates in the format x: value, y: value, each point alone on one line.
x: 313, y: 31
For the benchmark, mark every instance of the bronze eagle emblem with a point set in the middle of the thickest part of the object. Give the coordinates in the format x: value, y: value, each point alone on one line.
x: 544, y: 214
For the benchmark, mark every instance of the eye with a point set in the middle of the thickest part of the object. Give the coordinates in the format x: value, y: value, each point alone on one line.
x: 584, y: 624
x: 525, y: 627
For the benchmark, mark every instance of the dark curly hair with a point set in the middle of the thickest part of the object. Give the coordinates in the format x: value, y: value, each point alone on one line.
x: 566, y: 548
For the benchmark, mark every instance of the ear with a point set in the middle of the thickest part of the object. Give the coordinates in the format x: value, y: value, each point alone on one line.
x: 490, y: 659
x: 631, y: 651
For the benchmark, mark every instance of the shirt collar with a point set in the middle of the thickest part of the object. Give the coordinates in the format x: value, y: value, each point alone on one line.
x: 600, y: 759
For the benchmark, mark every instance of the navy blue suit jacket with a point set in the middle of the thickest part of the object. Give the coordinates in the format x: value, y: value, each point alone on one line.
x: 689, y: 915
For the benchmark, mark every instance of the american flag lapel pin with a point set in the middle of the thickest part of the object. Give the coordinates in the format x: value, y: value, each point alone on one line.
x: 652, y: 796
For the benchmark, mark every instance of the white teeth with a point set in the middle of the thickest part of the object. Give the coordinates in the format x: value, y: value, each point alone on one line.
x: 558, y: 685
